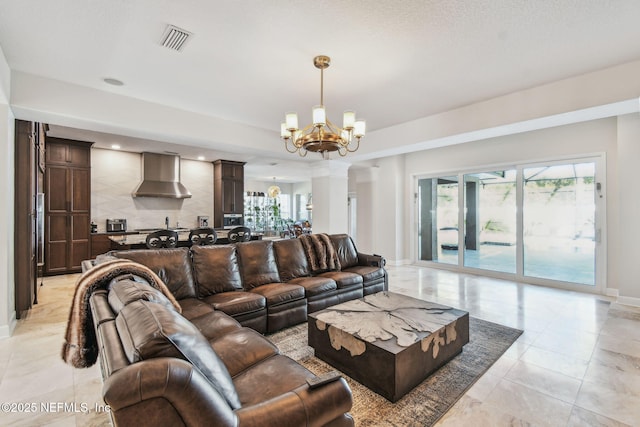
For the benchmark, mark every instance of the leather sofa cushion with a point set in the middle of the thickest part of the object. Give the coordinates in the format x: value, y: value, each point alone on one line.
x: 148, y: 330
x: 343, y: 279
x: 279, y: 293
x: 258, y: 263
x: 315, y: 285
x: 346, y: 250
x: 264, y: 378
x: 173, y: 266
x: 126, y: 291
x: 291, y: 259
x: 236, y: 303
x: 243, y: 348
x: 215, y: 269
x: 193, y: 307
x: 215, y: 324
x: 368, y: 273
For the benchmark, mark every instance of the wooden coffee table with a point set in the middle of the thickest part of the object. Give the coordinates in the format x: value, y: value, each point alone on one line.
x: 387, y: 341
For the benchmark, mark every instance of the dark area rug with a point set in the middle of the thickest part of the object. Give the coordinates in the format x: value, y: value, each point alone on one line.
x: 430, y: 400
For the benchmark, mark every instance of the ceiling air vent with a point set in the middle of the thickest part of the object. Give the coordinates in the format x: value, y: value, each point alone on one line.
x: 175, y: 38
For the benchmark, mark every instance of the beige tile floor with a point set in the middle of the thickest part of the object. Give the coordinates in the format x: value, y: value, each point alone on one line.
x: 577, y: 363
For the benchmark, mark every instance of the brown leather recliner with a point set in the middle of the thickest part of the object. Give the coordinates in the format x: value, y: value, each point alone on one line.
x: 216, y: 271
x: 161, y: 368
x: 370, y: 267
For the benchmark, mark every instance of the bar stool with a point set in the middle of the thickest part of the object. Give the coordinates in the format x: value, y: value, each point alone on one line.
x: 202, y: 236
x: 162, y: 239
x: 239, y: 234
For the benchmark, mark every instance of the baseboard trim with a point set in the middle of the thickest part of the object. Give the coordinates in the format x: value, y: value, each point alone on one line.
x: 629, y: 301
x: 397, y: 263
x: 7, y: 330
x: 611, y: 292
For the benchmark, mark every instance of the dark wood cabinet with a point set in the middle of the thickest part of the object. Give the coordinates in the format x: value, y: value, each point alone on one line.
x: 228, y: 190
x: 68, y: 189
x: 232, y: 198
x: 68, y: 153
x: 101, y: 243
x: 29, y: 143
x: 67, y: 205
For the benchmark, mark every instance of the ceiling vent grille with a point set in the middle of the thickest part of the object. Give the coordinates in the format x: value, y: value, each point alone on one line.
x: 175, y: 38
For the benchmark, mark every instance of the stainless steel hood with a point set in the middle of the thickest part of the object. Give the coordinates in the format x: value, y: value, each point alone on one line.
x: 161, y: 177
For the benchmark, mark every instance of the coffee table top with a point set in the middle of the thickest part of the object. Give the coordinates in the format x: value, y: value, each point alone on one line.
x: 379, y: 317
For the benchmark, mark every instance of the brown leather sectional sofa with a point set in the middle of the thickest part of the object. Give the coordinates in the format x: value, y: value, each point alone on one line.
x: 211, y: 365
x: 264, y: 285
x: 201, y: 368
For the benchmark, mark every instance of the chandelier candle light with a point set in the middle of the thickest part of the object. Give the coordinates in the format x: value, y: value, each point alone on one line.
x: 322, y: 136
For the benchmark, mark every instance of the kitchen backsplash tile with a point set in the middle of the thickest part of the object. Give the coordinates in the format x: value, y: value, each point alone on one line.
x: 115, y: 174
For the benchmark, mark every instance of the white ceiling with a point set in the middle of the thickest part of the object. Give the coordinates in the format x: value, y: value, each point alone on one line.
x: 251, y: 61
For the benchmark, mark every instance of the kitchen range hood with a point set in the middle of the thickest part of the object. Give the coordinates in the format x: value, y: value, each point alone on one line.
x: 161, y: 177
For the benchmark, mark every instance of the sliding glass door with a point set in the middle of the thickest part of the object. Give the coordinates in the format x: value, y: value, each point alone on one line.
x: 535, y: 221
x: 490, y: 220
x: 559, y: 218
x: 438, y: 229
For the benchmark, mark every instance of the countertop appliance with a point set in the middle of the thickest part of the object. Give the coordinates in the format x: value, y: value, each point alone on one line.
x: 230, y: 221
x: 116, y: 225
x: 203, y: 221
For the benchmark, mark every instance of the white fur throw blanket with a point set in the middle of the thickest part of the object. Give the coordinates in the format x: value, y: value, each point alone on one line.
x: 80, y: 348
x: 320, y: 252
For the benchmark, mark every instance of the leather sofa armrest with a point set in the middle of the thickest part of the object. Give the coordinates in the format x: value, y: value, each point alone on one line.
x: 172, y: 387
x: 302, y: 406
x: 371, y: 260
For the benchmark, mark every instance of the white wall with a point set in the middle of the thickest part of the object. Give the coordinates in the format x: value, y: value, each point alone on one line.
x: 302, y: 187
x: 627, y: 258
x: 329, y: 184
x: 365, y: 186
x: 391, y: 204
x: 115, y: 174
x: 7, y: 130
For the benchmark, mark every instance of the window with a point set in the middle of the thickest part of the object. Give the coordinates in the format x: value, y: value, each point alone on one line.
x: 285, y: 206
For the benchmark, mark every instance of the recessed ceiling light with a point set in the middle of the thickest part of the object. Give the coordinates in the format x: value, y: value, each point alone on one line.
x: 200, y: 157
x: 115, y: 146
x: 113, y: 82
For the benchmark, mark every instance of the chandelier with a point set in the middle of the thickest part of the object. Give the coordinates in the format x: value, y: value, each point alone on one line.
x: 274, y: 190
x: 322, y: 136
